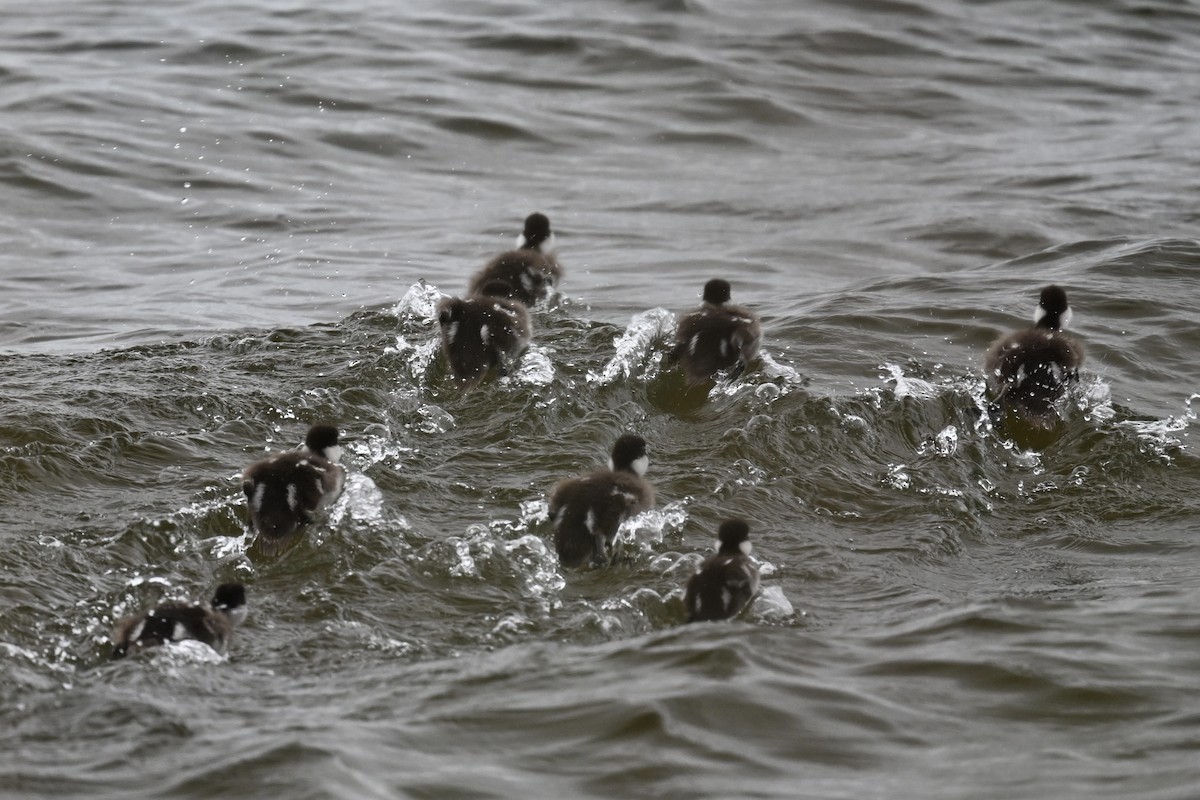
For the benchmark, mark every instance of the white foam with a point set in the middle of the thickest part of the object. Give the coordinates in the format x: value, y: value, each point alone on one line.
x: 910, y: 387
x: 1162, y: 435
x: 649, y: 527
x: 186, y: 652
x: 772, y: 604
x: 419, y: 303
x: 535, y: 368
x: 360, y: 501
x: 634, y: 345
x: 944, y: 443
x: 774, y: 370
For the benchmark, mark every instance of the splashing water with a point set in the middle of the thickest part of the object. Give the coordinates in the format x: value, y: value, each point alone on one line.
x: 1159, y: 436
x: 360, y: 501
x: 772, y: 605
x: 644, y: 530
x: 909, y: 387
x: 634, y: 346
x: 535, y: 368
x: 419, y: 303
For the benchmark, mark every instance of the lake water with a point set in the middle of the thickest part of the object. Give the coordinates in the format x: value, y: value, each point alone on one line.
x: 223, y: 222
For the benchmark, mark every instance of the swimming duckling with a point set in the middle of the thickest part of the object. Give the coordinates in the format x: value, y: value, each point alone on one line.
x: 588, y: 510
x: 1029, y: 369
x: 728, y: 579
x: 720, y: 336
x: 483, y: 331
x: 177, y: 622
x: 286, y: 490
x: 531, y: 269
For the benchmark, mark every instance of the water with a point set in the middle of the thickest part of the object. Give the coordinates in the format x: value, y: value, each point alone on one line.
x: 224, y: 222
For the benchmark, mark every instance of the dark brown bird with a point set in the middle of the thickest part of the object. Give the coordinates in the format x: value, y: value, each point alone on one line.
x: 728, y: 579
x: 177, y: 622
x: 531, y: 270
x: 588, y: 510
x: 720, y: 336
x: 286, y: 490
x: 1028, y: 370
x: 482, y: 332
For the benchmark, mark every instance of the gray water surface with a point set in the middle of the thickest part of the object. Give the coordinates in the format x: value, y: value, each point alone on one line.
x: 224, y: 222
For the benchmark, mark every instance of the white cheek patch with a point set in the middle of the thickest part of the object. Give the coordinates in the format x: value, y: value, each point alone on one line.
x: 724, y: 348
x: 549, y: 246
x: 745, y: 547
x: 257, y: 500
x: 692, y: 344
x: 527, y: 281
x: 291, y: 496
x: 1065, y: 319
x: 451, y: 332
x: 589, y: 521
x: 483, y: 333
x: 137, y: 631
x: 333, y: 453
x: 716, y: 544
x: 726, y: 599
x: 1038, y: 313
x: 237, y: 615
x: 640, y: 465
x: 180, y: 633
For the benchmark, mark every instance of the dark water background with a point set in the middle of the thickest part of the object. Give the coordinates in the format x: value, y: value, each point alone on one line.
x: 225, y: 221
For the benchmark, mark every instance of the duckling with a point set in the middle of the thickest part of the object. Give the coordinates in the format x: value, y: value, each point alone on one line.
x: 720, y: 336
x: 1029, y: 369
x: 588, y: 510
x: 176, y: 622
x: 483, y: 331
x: 531, y: 269
x: 286, y: 490
x: 728, y: 579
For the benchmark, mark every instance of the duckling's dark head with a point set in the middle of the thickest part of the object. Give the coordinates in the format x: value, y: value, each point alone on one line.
x: 1052, y: 309
x: 717, y: 291
x: 230, y: 599
x: 537, y: 231
x: 734, y: 537
x: 629, y: 454
x: 229, y: 596
x: 323, y: 440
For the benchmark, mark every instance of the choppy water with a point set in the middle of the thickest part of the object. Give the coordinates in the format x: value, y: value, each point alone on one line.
x: 223, y: 222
